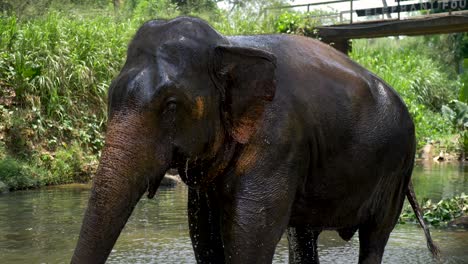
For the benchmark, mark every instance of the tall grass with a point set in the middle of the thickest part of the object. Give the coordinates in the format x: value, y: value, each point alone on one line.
x: 61, y: 59
x: 60, y: 66
x: 57, y: 69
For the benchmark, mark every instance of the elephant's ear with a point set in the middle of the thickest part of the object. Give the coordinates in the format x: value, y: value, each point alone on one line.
x: 246, y: 79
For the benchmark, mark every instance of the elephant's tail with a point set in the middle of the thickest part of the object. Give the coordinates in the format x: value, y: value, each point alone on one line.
x: 417, y: 211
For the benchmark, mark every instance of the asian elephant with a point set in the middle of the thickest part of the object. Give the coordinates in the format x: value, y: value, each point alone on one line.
x: 272, y: 134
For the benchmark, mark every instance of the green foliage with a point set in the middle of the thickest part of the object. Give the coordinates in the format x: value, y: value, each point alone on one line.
x: 299, y: 23
x: 430, y: 126
x: 147, y: 9
x: 449, y: 49
x: 18, y: 175
x: 195, y: 6
x: 60, y: 67
x: 243, y: 22
x: 438, y: 214
x: 68, y: 164
x: 457, y: 112
x: 154, y: 8
x: 431, y: 87
x: 463, y: 96
x: 288, y: 22
x: 31, y: 9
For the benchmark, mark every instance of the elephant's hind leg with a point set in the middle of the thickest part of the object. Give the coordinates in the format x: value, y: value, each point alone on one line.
x: 204, y: 225
x: 303, y: 245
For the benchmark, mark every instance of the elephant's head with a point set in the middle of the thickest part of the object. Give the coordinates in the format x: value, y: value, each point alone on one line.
x: 184, y: 99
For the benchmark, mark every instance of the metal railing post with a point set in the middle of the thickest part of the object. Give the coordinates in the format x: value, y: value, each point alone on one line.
x: 351, y: 11
x: 308, y: 8
x: 399, y: 10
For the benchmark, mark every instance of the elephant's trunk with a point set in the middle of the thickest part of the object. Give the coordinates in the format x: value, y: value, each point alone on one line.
x: 109, y: 207
x: 128, y: 167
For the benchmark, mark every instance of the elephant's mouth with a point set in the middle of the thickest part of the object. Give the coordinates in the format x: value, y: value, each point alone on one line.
x: 176, y: 165
x: 189, y: 172
x: 189, y: 169
x: 198, y: 173
x: 155, y: 178
x: 154, y: 181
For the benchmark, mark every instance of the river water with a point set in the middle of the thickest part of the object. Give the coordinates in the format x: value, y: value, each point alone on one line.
x: 41, y: 226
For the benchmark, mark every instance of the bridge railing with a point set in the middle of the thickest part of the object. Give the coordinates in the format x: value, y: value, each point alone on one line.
x: 352, y: 11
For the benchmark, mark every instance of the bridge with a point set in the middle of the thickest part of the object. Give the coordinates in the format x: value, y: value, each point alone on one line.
x: 343, y: 20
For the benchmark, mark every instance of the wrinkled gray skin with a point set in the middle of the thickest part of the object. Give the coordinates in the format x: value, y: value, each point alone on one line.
x: 272, y: 133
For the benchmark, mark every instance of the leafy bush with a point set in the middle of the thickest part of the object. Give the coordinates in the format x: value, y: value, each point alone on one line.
x: 430, y: 126
x: 457, y: 113
x: 438, y: 214
x: 431, y: 85
x: 68, y: 164
x: 245, y: 21
x: 299, y: 23
x: 19, y: 175
x: 288, y: 22
x: 155, y: 8
x: 60, y: 67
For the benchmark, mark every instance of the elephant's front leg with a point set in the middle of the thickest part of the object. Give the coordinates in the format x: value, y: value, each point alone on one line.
x: 303, y: 245
x: 256, y: 211
x: 204, y: 225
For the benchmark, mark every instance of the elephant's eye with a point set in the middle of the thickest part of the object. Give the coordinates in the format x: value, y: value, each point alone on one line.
x: 171, y: 104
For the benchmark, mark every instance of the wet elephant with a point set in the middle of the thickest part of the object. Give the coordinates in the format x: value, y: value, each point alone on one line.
x: 272, y: 134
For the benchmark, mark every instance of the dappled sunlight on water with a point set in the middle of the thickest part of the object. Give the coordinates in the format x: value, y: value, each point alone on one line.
x: 43, y: 225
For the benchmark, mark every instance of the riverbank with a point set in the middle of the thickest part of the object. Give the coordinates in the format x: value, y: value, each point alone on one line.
x: 66, y: 165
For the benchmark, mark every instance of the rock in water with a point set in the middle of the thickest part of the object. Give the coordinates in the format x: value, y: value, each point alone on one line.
x: 170, y: 180
x: 427, y: 152
x: 460, y: 222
